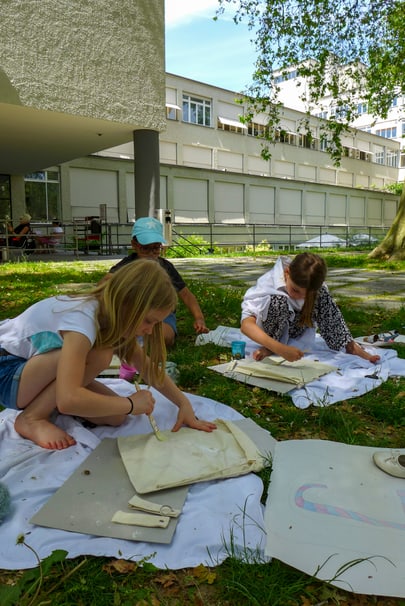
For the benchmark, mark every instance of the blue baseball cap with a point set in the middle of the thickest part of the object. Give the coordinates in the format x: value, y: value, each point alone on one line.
x: 148, y: 230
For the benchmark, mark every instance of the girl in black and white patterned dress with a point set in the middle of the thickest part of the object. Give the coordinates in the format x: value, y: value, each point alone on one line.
x: 291, y: 301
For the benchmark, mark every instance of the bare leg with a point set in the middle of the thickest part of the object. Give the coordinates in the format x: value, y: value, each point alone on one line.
x: 168, y: 335
x: 37, y: 398
x: 38, y: 378
x: 33, y: 422
x: 113, y: 420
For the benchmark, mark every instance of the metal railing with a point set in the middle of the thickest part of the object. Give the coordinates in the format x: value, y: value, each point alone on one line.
x: 208, y: 238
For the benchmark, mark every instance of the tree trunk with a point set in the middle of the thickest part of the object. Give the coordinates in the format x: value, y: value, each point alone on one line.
x: 393, y: 245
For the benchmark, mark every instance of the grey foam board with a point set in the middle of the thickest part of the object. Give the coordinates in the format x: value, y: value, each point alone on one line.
x: 99, y: 487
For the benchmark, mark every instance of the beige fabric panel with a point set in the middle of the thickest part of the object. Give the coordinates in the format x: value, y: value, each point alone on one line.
x: 296, y: 373
x: 188, y: 456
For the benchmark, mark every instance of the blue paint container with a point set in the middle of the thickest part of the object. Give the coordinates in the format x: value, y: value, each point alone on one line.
x: 238, y: 349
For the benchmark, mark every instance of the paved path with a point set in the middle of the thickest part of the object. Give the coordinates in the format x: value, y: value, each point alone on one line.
x: 374, y: 288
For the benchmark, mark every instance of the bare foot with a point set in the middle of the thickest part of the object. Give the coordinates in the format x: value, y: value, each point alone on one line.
x: 374, y: 358
x: 43, y: 432
x: 261, y: 353
x: 357, y: 350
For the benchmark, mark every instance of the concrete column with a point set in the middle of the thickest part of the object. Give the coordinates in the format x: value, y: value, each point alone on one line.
x: 17, y: 190
x: 147, y: 172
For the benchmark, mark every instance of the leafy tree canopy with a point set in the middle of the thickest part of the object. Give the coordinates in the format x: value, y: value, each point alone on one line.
x: 349, y: 51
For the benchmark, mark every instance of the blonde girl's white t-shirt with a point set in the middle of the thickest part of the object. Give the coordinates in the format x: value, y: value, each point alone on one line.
x: 38, y: 329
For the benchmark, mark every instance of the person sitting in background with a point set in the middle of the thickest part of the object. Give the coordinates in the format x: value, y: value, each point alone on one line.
x: 291, y: 301
x: 147, y: 240
x: 51, y: 239
x: 56, y: 234
x: 19, y: 234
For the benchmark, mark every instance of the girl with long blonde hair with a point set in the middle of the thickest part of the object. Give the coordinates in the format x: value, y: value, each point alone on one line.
x: 51, y: 354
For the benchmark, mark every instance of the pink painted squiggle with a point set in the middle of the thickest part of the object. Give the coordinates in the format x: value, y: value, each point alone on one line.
x: 334, y: 510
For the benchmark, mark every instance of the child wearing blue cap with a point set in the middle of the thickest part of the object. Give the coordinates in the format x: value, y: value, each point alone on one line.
x: 147, y: 242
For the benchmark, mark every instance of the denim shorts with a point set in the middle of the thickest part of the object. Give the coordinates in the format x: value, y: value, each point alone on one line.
x: 171, y: 321
x: 11, y: 368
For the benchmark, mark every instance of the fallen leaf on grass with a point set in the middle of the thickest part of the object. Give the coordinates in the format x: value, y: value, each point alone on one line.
x: 120, y: 566
x: 167, y: 580
x: 204, y: 574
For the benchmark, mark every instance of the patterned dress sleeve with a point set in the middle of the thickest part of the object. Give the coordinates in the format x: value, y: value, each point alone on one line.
x: 330, y: 322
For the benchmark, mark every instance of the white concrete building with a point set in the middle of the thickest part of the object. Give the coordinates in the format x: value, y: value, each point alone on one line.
x: 293, y: 91
x: 212, y: 170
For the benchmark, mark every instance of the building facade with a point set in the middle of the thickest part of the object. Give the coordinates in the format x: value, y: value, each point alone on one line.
x: 212, y: 170
x: 294, y: 90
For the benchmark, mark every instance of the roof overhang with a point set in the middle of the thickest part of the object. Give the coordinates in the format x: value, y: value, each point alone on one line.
x: 32, y: 139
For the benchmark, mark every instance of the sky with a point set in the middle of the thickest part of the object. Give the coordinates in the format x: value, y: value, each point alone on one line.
x: 219, y: 52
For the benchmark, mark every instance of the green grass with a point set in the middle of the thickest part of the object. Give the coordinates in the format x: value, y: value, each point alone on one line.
x: 376, y: 419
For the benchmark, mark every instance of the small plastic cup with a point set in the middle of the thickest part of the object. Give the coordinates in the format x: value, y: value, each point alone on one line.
x: 238, y: 349
x: 127, y: 372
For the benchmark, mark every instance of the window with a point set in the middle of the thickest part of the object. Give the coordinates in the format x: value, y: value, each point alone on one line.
x: 257, y: 130
x: 388, y: 133
x: 339, y: 111
x: 365, y: 155
x: 171, y: 111
x: 379, y: 156
x: 307, y: 140
x: 392, y: 158
x: 42, y: 197
x: 362, y: 108
x: 286, y: 76
x: 196, y: 111
x: 284, y: 136
x: 323, y: 146
x: 233, y: 126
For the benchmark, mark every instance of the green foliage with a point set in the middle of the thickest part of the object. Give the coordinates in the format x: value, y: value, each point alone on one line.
x: 189, y: 246
x: 192, y: 245
x: 258, y: 584
x: 30, y: 583
x: 395, y: 188
x: 340, y: 48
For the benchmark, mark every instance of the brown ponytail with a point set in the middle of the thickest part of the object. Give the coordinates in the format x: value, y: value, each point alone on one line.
x: 308, y: 271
